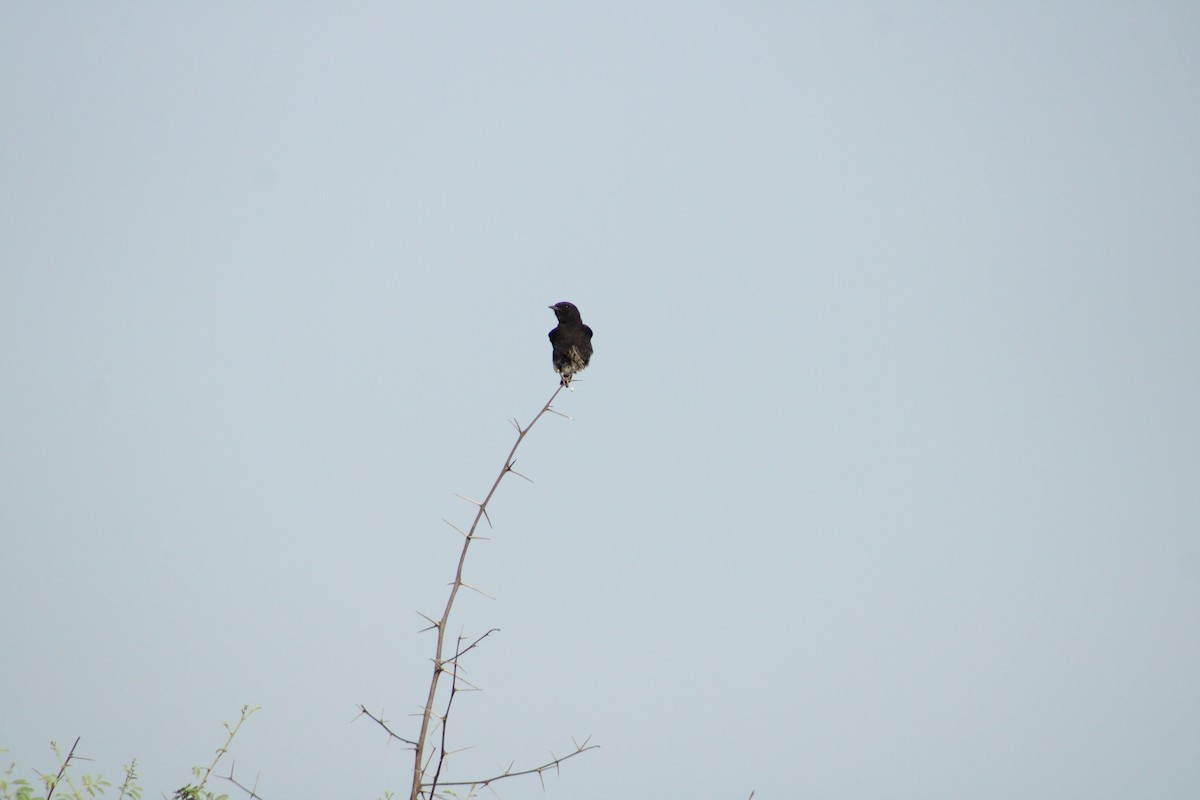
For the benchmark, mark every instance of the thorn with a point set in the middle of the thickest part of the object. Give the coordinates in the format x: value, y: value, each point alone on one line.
x: 554, y: 410
x: 475, y: 503
x: 480, y: 591
x: 452, y: 525
x: 519, y: 475
x: 470, y: 686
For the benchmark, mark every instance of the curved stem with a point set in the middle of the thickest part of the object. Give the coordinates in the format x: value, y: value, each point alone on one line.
x: 439, y: 663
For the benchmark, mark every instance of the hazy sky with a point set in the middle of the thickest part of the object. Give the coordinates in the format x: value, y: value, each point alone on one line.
x: 884, y: 481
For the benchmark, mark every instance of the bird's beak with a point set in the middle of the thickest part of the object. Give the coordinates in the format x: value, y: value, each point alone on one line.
x: 550, y: 307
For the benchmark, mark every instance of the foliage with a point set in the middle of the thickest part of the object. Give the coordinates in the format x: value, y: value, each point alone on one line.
x: 62, y: 786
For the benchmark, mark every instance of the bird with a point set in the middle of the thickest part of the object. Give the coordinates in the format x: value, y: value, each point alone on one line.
x: 571, y: 342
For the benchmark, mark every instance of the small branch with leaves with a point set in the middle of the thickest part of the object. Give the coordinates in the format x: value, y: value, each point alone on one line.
x: 52, y: 782
x: 190, y: 792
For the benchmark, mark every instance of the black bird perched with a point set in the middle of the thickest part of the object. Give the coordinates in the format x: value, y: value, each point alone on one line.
x: 572, y: 341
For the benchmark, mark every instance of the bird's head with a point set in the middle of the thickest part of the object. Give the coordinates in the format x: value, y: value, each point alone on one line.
x: 566, y: 312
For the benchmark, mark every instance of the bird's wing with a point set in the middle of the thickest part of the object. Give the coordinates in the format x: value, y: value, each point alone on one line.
x: 588, y: 331
x: 554, y: 334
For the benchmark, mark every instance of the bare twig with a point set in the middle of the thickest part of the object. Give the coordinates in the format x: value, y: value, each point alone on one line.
x: 383, y: 724
x: 459, y: 651
x: 252, y: 793
x: 509, y: 773
x: 420, y: 758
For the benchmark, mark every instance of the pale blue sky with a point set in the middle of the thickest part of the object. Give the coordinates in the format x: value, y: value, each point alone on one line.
x: 883, y: 481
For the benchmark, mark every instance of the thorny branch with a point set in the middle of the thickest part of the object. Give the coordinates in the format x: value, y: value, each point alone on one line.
x: 51, y: 784
x: 422, y: 758
x: 252, y: 793
x: 508, y: 773
x: 381, y: 722
x: 439, y: 660
x: 459, y: 651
